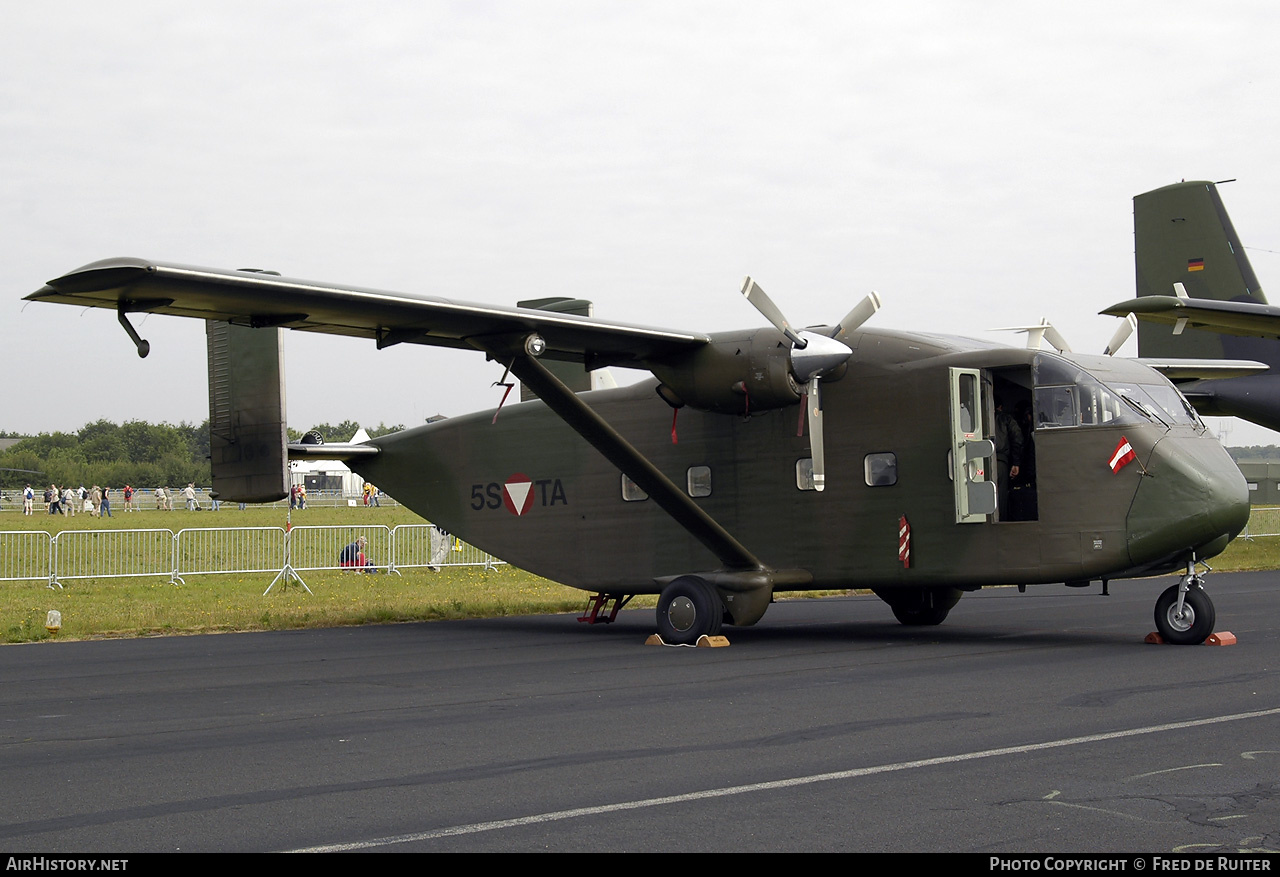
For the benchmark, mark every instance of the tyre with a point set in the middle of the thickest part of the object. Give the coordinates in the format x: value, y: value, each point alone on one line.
x: 688, y: 609
x: 1195, y: 623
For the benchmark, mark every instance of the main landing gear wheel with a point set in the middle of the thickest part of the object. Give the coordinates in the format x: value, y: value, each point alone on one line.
x: 1190, y: 626
x: 921, y: 607
x: 688, y: 609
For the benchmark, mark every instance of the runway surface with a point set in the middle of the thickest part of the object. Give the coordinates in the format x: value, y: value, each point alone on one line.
x: 1034, y: 722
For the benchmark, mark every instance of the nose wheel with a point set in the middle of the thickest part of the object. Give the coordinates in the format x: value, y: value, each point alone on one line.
x: 1184, y: 613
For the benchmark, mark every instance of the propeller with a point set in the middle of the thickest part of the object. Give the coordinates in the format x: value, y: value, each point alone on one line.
x: 1122, y: 334
x: 813, y: 356
x: 862, y: 311
x: 1038, y: 334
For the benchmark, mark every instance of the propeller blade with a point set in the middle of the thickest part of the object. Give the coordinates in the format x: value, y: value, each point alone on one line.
x: 861, y: 312
x: 1054, y: 337
x: 1034, y: 333
x: 1122, y: 335
x: 816, y: 449
x: 1042, y: 331
x: 770, y: 311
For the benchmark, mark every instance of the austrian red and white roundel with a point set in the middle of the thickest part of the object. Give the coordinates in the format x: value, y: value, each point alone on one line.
x: 517, y: 493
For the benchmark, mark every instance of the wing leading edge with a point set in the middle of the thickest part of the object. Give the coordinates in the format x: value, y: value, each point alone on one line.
x: 1230, y: 317
x: 260, y: 299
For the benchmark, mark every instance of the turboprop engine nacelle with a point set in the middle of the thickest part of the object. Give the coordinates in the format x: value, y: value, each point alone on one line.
x: 737, y: 373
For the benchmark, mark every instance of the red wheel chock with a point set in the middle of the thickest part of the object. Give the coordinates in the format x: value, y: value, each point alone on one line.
x: 1221, y: 638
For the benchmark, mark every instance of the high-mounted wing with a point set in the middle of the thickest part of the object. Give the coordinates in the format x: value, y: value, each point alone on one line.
x: 1203, y: 369
x: 517, y: 336
x: 1229, y: 317
x: 261, y: 299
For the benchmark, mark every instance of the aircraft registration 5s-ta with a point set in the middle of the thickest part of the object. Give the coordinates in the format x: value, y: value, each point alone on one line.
x: 770, y: 458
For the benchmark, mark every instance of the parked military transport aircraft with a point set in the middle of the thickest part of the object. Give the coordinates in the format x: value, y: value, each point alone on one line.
x: 831, y: 457
x: 1198, y: 299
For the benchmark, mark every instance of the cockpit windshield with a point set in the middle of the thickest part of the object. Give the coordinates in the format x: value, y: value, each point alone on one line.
x: 1163, y: 402
x: 1066, y: 395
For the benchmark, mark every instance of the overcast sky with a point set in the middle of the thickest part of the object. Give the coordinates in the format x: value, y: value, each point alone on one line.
x: 973, y: 162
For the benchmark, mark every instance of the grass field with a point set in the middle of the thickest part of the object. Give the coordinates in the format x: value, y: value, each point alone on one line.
x: 214, y: 603
x: 126, y: 607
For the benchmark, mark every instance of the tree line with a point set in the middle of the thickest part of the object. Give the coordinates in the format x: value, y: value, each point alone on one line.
x: 1255, y: 452
x: 135, y: 452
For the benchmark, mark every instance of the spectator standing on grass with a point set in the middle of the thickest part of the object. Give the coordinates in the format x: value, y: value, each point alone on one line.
x: 128, y: 498
x: 160, y: 499
x: 95, y: 499
x: 28, y: 500
x: 69, y: 502
x: 189, y: 494
x: 104, y: 510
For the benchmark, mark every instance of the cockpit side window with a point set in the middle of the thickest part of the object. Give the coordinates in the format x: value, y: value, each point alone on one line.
x: 1100, y: 405
x: 1066, y: 395
x: 1055, y: 407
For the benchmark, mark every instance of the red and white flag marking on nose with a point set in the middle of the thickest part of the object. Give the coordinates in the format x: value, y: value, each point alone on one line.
x: 1122, y: 455
x: 517, y: 493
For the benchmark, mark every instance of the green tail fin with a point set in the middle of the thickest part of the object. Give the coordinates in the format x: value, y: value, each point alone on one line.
x: 1182, y: 234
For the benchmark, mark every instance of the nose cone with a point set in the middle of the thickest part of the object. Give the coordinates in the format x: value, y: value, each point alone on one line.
x: 1195, y: 498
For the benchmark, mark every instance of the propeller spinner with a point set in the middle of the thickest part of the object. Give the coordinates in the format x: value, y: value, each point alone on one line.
x: 813, y: 356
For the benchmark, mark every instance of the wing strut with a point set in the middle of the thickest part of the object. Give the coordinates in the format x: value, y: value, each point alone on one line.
x: 621, y: 453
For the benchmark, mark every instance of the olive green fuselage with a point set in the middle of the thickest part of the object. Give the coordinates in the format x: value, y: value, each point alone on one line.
x: 572, y: 524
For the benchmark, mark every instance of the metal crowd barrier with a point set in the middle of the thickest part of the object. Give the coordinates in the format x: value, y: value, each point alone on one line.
x: 210, y: 550
x: 27, y: 555
x: 419, y: 545
x: 1263, y: 521
x: 104, y: 554
x: 314, y: 548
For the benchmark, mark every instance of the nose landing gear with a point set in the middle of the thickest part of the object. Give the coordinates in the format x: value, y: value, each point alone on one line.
x: 1184, y: 612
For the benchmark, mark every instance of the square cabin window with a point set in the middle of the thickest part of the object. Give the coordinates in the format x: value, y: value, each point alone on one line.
x: 804, y: 474
x: 880, y: 470
x: 631, y: 491
x: 699, y: 479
